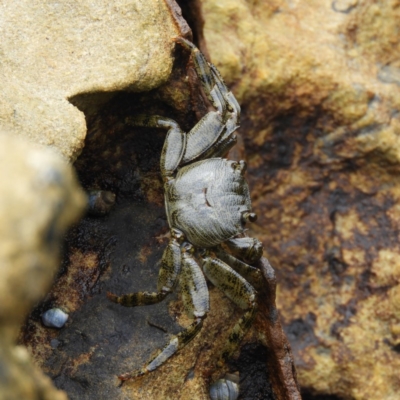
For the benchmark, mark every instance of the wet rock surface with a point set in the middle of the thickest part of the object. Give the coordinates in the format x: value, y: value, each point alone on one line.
x: 318, y: 84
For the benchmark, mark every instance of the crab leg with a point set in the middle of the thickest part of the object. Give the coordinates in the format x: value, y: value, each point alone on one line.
x: 233, y: 105
x: 239, y: 266
x: 167, y: 276
x: 212, y: 135
x: 215, y: 129
x: 193, y: 285
x: 239, y: 291
x: 196, y: 301
x: 232, y: 123
x: 205, y: 75
x: 174, y: 145
x: 246, y: 248
x: 180, y: 147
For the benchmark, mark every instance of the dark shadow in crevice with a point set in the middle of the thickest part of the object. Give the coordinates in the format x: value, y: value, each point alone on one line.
x: 306, y: 395
x: 253, y: 372
x: 192, y: 13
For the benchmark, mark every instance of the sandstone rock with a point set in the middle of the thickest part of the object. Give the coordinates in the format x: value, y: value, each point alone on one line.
x: 39, y: 199
x: 53, y: 52
x: 318, y: 83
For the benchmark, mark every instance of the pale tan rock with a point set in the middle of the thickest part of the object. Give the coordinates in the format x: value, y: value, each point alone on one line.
x: 318, y: 83
x: 51, y: 52
x: 39, y: 199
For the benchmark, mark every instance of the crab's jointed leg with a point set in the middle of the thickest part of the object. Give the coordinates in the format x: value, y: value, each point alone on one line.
x: 214, y: 86
x: 167, y: 277
x: 212, y: 136
x: 180, y: 147
x: 230, y: 99
x: 246, y: 248
x: 174, y: 144
x: 214, y: 130
x: 196, y: 301
x: 249, y: 272
x: 205, y: 75
x: 239, y: 291
x: 227, y: 140
x: 193, y: 285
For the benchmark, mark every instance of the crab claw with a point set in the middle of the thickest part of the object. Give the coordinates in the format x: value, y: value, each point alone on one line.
x: 187, y: 248
x: 112, y: 297
x: 240, y: 166
x: 177, y: 234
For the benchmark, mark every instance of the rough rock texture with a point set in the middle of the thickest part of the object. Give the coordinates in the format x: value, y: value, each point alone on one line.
x: 39, y: 199
x: 120, y: 253
x: 55, y: 57
x: 62, y: 63
x: 53, y: 51
x: 318, y: 82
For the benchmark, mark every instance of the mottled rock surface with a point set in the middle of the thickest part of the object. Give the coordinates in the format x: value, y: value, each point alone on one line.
x: 52, y: 52
x: 64, y: 64
x: 318, y: 82
x: 120, y: 252
x: 57, y: 60
x: 39, y: 199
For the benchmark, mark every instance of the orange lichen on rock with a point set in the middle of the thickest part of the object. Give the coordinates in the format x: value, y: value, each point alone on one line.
x: 318, y: 83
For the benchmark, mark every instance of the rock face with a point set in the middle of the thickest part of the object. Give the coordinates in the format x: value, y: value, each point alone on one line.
x: 53, y: 52
x: 63, y: 67
x: 120, y: 252
x: 318, y: 83
x: 39, y: 199
x: 57, y: 60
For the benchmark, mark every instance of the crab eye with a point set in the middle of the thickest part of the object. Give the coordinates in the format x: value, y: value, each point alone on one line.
x: 252, y: 217
x: 249, y: 217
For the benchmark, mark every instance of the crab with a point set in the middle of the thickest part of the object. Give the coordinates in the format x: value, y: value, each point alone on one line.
x: 208, y: 204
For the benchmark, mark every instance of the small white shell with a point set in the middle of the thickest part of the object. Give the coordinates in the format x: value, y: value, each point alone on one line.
x: 54, y: 318
x: 224, y: 389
